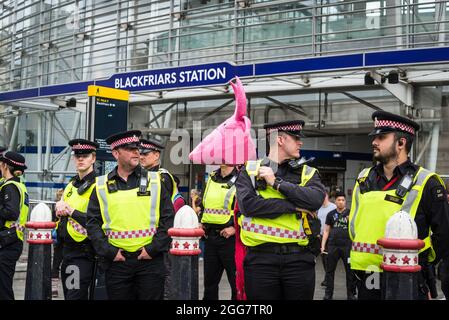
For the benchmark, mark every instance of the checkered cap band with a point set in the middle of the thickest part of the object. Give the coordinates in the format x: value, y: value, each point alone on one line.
x: 293, y: 127
x: 83, y: 147
x: 217, y: 211
x: 17, y: 226
x: 394, y: 124
x: 16, y: 163
x: 366, y: 247
x: 78, y: 228
x: 149, y: 146
x: 123, y: 141
x: 130, y: 234
x: 271, y: 231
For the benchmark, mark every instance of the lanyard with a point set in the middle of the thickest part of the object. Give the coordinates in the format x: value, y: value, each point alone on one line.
x: 389, y: 184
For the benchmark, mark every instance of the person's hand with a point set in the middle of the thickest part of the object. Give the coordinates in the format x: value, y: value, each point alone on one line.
x: 267, y: 174
x: 61, y: 208
x: 119, y: 256
x: 227, y: 232
x: 144, y: 255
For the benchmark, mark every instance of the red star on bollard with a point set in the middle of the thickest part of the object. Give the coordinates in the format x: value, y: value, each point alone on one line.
x: 385, y: 258
x: 39, y: 235
x: 405, y: 259
x: 176, y: 245
x: 195, y: 245
x: 186, y: 245
x: 47, y: 236
x: 393, y: 259
x: 415, y: 260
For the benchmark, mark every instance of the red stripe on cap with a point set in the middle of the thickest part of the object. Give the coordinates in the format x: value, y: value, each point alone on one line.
x: 149, y: 146
x: 122, y: 141
x: 15, y: 162
x: 83, y: 147
x: 293, y: 127
x: 394, y: 124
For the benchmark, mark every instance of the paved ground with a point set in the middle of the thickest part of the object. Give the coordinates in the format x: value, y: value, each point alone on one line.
x: 225, y: 291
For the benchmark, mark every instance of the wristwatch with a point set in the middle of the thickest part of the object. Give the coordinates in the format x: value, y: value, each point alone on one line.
x: 277, y: 183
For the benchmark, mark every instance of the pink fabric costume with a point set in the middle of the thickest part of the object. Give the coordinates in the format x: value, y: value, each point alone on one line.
x: 230, y: 143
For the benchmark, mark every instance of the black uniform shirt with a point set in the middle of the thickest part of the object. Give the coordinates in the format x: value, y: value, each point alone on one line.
x: 309, y: 197
x: 338, y: 221
x: 218, y: 178
x: 433, y: 209
x: 165, y: 179
x: 9, y: 202
x: 161, y: 240
x: 77, y: 215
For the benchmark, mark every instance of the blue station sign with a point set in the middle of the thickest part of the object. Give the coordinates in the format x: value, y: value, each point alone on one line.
x: 213, y: 74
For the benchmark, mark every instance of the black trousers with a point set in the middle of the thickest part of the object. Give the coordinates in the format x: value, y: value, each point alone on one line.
x: 219, y: 255
x: 270, y: 276
x: 8, y: 259
x: 77, y: 272
x: 336, y: 253
x: 57, y: 259
x: 134, y: 279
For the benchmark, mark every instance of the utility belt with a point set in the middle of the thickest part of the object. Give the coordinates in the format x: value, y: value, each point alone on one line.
x: 8, y: 236
x: 286, y: 248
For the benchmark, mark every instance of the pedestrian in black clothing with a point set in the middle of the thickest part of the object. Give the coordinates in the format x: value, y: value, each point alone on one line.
x: 336, y: 237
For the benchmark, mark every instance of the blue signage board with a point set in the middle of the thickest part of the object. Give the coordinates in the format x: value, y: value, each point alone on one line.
x: 220, y: 73
x: 173, y: 78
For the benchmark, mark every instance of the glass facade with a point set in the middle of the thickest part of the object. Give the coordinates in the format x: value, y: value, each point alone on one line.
x: 48, y: 42
x: 45, y: 42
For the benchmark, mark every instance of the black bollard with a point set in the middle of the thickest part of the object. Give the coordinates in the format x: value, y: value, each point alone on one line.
x: 38, y: 280
x: 185, y: 250
x: 400, y: 258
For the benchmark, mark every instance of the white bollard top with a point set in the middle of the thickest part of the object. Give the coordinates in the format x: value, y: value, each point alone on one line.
x: 401, y: 226
x: 186, y: 218
x: 41, y: 213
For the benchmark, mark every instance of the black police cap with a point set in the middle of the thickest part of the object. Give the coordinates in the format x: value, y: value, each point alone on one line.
x: 388, y: 122
x: 124, y: 139
x: 293, y: 128
x: 14, y: 159
x: 83, y: 146
x: 148, y: 145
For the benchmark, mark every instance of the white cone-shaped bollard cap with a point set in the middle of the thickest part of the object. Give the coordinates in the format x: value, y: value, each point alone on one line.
x: 400, y: 245
x: 185, y: 233
x: 40, y: 213
x: 40, y: 225
x: 401, y: 226
x: 186, y: 218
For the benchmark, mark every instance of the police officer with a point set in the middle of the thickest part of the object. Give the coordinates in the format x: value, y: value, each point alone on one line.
x: 275, y: 196
x: 2, y: 149
x: 78, y: 254
x: 217, y: 219
x: 394, y: 184
x: 14, y: 205
x: 150, y: 155
x: 150, y: 159
x: 336, y: 237
x: 128, y: 216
